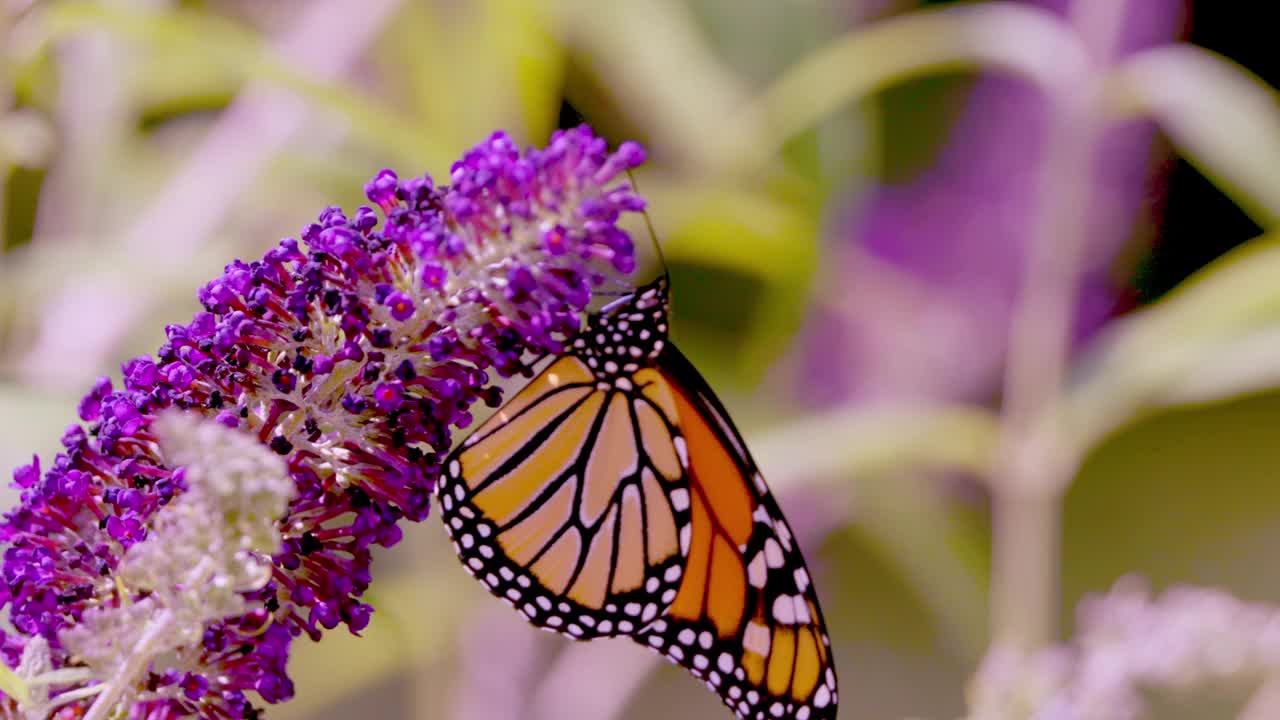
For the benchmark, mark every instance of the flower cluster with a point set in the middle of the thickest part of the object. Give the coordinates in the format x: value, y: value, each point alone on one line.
x: 1128, y: 644
x: 351, y: 353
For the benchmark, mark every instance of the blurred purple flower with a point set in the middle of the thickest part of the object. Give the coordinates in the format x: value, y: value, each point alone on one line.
x: 353, y: 354
x: 929, y: 271
x: 1129, y: 647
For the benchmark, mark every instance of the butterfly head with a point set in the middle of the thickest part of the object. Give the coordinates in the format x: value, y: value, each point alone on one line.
x: 627, y: 334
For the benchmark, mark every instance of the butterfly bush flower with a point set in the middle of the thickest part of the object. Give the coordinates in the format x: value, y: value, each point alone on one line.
x: 349, y: 354
x: 1127, y: 644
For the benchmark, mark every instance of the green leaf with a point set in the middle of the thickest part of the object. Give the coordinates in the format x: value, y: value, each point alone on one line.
x: 414, y: 626
x: 768, y: 235
x: 1027, y: 41
x: 750, y: 231
x: 178, y: 35
x: 1214, y: 337
x: 504, y: 68
x: 12, y: 685
x: 30, y: 422
x: 1183, y: 496
x: 866, y: 441
x: 895, y: 503
x: 653, y: 56
x: 1224, y: 119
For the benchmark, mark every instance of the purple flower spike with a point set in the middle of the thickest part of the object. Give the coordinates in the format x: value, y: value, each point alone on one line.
x: 352, y: 354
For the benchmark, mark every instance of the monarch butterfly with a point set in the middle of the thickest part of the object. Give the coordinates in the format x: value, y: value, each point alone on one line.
x: 613, y: 496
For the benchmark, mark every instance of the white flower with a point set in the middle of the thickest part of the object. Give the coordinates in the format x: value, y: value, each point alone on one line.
x: 203, y: 551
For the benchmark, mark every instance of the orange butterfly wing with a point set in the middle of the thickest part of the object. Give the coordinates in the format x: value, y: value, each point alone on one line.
x: 570, y: 504
x: 746, y: 619
x: 613, y: 496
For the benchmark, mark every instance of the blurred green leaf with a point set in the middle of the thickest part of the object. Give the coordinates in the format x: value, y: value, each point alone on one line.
x: 762, y: 234
x: 1224, y: 119
x: 26, y: 139
x: 30, y: 422
x: 504, y: 68
x: 1033, y: 43
x: 1211, y: 338
x: 878, y: 460
x: 939, y: 554
x: 12, y: 685
x: 857, y: 442
x: 185, y: 33
x: 653, y: 56
x: 413, y: 626
x: 748, y: 230
x: 1183, y: 496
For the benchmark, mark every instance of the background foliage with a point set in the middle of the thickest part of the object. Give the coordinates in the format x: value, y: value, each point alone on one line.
x: 851, y: 198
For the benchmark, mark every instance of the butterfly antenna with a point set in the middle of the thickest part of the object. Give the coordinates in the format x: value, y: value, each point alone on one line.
x: 648, y: 223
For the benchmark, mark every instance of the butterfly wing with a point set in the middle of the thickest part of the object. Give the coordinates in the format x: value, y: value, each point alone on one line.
x: 570, y: 503
x: 613, y: 496
x: 746, y: 619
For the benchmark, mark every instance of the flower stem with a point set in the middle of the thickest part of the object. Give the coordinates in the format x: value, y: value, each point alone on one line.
x: 126, y: 679
x: 71, y: 696
x: 1032, y: 469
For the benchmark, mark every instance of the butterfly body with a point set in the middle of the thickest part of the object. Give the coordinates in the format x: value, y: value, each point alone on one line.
x: 613, y: 496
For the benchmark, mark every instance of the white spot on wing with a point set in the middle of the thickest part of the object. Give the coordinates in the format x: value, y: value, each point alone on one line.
x: 802, y: 610
x: 680, y: 499
x: 784, y: 610
x: 802, y: 579
x: 784, y: 534
x: 682, y: 451
x: 822, y: 698
x: 773, y: 556
x: 756, y: 572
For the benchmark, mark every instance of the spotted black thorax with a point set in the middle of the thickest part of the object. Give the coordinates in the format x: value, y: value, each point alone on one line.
x: 628, y: 334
